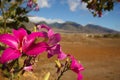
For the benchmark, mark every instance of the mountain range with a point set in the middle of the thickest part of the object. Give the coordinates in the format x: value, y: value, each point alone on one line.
x: 75, y: 27
x: 78, y: 28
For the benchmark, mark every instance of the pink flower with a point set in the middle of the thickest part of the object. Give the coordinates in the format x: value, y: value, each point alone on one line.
x: 28, y: 68
x: 56, y: 50
x: 53, y: 42
x: 30, y: 3
x: 21, y: 43
x: 37, y: 8
x: 76, y: 67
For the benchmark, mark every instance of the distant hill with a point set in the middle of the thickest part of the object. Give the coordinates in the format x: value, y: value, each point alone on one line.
x: 78, y: 28
x: 75, y: 27
x: 92, y: 28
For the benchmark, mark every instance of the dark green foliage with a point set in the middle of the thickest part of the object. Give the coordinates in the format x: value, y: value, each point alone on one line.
x: 97, y: 7
x: 111, y: 35
x: 14, y: 13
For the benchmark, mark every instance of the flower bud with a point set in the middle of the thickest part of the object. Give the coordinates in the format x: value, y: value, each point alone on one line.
x: 58, y: 64
x: 47, y: 76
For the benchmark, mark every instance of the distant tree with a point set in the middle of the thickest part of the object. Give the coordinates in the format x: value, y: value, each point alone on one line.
x: 97, y: 7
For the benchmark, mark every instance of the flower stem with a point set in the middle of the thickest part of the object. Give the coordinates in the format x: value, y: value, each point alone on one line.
x: 66, y: 68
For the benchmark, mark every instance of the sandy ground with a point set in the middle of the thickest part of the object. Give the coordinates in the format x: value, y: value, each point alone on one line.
x: 99, y: 56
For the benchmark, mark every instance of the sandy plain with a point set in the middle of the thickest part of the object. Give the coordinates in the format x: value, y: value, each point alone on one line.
x: 99, y: 56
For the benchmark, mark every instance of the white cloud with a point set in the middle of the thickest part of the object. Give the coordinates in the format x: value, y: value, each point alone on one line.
x: 91, y: 22
x: 43, y: 3
x: 38, y: 19
x: 83, y: 6
x: 73, y: 4
x: 76, y: 4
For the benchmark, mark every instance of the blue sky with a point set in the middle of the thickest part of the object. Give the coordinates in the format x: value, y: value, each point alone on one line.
x: 73, y: 10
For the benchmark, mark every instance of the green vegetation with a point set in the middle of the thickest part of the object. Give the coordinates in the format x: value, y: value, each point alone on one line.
x: 111, y: 35
x: 117, y: 35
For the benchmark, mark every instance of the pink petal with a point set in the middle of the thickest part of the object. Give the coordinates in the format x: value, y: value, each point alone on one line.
x: 34, y: 35
x: 37, y: 8
x: 49, y: 55
x: 53, y: 50
x: 49, y: 30
x: 56, y: 50
x: 29, y: 4
x: 54, y: 39
x: 28, y: 68
x: 9, y: 40
x: 80, y: 67
x: 36, y: 49
x: 9, y: 54
x: 80, y: 77
x: 62, y: 56
x: 30, y: 39
x: 43, y: 26
x: 20, y: 34
x: 50, y: 33
x: 76, y: 66
x: 74, y: 63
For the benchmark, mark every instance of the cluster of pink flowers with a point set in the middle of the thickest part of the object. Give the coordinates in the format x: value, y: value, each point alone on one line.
x: 20, y: 43
x: 32, y: 3
x: 53, y: 42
